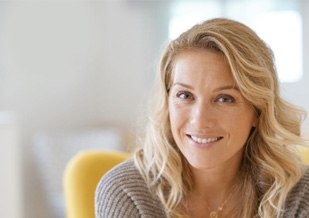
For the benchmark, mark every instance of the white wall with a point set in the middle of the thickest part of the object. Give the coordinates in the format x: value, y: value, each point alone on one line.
x: 304, y: 92
x: 298, y: 93
x: 10, y: 168
x: 69, y: 65
x: 73, y: 65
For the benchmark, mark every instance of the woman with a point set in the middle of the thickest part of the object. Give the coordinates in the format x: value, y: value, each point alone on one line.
x: 220, y: 139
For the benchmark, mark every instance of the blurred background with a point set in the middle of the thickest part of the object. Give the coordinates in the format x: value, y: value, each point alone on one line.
x: 75, y: 75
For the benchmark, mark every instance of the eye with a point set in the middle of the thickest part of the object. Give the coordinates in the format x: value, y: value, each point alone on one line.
x: 225, y: 99
x: 184, y: 95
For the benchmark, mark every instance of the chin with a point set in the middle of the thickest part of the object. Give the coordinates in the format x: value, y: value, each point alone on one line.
x: 201, y: 164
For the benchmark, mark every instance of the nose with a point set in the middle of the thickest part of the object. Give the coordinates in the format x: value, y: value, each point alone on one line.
x: 203, y: 116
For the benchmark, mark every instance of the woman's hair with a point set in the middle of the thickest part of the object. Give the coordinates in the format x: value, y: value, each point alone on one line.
x: 270, y: 167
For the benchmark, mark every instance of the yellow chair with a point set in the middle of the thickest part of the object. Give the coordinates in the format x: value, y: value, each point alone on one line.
x: 81, y: 177
x: 304, y: 153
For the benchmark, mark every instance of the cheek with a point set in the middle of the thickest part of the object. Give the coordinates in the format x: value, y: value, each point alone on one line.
x: 177, y: 116
x: 173, y: 114
x: 240, y: 126
x: 242, y: 117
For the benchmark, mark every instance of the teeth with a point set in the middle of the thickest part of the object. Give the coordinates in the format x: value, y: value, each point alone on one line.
x: 204, y: 141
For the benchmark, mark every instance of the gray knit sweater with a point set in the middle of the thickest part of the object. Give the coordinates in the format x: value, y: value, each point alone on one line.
x: 122, y: 193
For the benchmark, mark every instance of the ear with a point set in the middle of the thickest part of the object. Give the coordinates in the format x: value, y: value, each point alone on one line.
x: 255, y: 121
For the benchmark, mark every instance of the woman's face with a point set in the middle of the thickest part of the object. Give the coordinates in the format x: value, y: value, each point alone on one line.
x: 210, y: 119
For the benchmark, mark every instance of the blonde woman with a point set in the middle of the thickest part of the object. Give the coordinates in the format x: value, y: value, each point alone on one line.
x: 220, y: 139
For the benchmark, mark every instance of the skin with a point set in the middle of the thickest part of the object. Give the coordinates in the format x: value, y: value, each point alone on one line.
x: 210, y: 122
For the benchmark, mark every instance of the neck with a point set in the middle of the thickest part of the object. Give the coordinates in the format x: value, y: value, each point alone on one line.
x: 213, y: 181
x: 215, y: 184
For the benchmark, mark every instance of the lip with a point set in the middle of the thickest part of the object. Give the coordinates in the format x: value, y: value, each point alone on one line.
x: 203, y: 145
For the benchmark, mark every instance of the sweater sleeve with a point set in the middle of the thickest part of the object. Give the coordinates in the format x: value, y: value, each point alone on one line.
x: 297, y: 205
x: 122, y: 192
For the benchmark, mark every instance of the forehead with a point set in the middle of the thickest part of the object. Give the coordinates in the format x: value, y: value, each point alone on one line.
x: 201, y: 66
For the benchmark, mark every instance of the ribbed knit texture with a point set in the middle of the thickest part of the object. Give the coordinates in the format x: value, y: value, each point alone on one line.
x: 297, y: 204
x: 122, y: 193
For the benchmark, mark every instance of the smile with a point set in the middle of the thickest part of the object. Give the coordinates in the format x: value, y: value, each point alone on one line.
x: 205, y: 140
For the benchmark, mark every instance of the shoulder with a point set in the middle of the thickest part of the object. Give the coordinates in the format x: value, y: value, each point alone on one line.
x: 303, y: 183
x: 122, y: 192
x: 297, y: 204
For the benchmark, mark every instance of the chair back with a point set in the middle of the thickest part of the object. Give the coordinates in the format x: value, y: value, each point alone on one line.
x: 81, y: 176
x: 304, y: 153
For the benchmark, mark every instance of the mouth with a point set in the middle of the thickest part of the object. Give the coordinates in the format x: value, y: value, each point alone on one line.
x: 204, y: 140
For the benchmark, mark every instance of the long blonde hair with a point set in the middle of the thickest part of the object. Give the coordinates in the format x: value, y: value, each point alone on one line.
x: 270, y: 167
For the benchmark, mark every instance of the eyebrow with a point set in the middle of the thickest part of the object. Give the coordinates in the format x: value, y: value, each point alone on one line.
x: 226, y: 87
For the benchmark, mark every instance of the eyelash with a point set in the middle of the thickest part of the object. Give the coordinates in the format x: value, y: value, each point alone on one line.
x: 226, y: 98
x: 179, y: 95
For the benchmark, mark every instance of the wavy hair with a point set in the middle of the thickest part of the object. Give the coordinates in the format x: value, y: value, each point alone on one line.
x: 270, y: 165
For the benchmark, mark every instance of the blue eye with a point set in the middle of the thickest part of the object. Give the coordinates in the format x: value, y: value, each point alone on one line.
x: 225, y: 99
x: 184, y: 95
